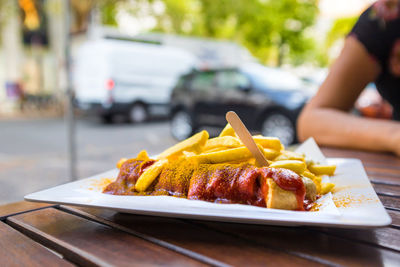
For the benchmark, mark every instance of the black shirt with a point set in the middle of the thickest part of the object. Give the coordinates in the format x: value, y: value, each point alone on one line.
x: 378, y: 29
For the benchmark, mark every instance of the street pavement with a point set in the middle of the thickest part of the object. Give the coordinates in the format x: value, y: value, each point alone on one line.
x: 33, y: 153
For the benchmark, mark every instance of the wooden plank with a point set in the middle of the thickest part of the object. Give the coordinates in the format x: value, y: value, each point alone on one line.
x: 22, y: 206
x: 384, y: 179
x: 382, y: 176
x: 314, y: 243
x: 390, y: 202
x: 224, y: 248
x: 387, y: 190
x: 391, y: 167
x: 382, y: 171
x: 18, y: 250
x: 364, y: 156
x: 387, y: 237
x: 395, y: 215
x: 309, y: 244
x: 86, y: 242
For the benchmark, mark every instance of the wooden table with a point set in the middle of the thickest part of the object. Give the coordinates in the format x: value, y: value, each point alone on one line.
x: 34, y: 234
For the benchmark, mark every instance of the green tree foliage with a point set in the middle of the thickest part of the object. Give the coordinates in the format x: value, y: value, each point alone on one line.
x: 108, y: 11
x: 275, y: 31
x: 340, y: 28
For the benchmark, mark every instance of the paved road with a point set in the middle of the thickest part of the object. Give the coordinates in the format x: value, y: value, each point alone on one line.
x: 33, y: 153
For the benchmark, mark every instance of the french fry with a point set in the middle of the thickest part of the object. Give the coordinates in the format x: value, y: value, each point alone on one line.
x: 227, y: 131
x: 251, y: 161
x: 215, y: 149
x: 310, y: 162
x: 149, y: 175
x: 224, y: 141
x: 143, y: 155
x: 322, y: 169
x: 317, y: 181
x: 194, y: 143
x: 309, y: 175
x: 120, y: 162
x: 189, y: 154
x: 269, y: 153
x: 295, y: 165
x: 268, y: 142
x: 227, y: 148
x: 326, y: 188
x: 290, y: 155
x: 233, y: 154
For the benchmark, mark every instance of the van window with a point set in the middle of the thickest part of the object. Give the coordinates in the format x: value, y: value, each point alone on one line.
x: 203, y: 81
x: 231, y: 80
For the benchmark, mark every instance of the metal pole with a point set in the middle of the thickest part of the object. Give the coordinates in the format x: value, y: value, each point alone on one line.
x: 69, y: 112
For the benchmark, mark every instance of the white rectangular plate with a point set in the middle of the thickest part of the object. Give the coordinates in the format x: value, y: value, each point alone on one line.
x: 357, y: 203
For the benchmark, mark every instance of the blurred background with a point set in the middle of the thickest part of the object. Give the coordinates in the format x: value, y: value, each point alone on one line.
x: 85, y: 82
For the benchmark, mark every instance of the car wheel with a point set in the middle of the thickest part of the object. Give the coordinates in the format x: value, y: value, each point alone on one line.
x: 181, y: 125
x: 107, y: 119
x: 279, y: 125
x: 138, y: 113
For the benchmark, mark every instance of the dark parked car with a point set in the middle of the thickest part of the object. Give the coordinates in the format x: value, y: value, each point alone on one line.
x: 267, y: 99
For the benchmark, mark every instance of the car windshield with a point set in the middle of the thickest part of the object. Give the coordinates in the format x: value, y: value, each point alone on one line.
x: 272, y: 78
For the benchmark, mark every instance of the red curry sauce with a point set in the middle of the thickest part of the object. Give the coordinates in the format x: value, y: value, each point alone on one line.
x: 289, y: 181
x: 222, y: 183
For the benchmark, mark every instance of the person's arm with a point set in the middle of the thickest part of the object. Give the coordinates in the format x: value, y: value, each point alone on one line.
x: 326, y: 117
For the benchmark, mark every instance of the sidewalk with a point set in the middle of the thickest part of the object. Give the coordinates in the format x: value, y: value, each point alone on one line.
x: 31, y: 108
x: 30, y: 113
x: 33, y: 152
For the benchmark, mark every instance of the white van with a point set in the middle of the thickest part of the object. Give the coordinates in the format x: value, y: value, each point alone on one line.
x: 123, y: 77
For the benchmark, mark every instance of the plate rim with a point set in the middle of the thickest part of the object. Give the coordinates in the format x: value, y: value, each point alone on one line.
x: 223, y: 218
